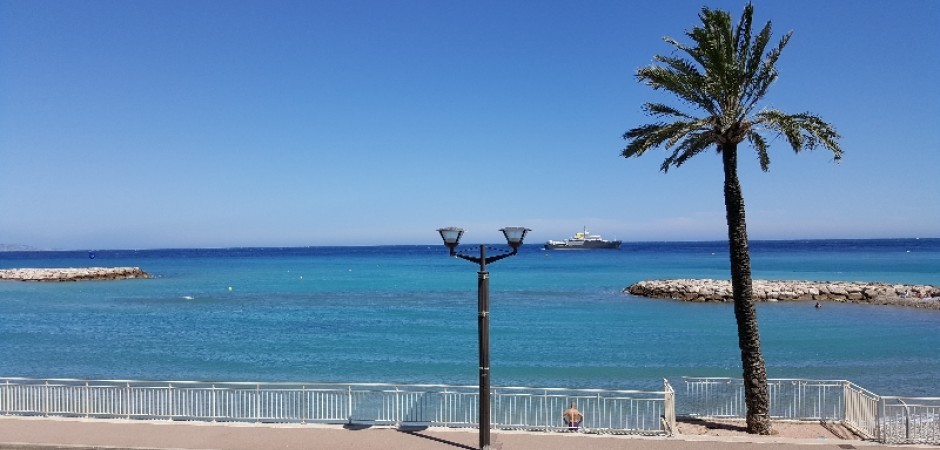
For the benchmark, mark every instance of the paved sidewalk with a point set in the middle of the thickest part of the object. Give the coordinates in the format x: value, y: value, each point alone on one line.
x: 29, y: 433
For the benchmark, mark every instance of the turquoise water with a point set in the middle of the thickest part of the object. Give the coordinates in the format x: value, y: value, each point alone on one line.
x: 407, y: 314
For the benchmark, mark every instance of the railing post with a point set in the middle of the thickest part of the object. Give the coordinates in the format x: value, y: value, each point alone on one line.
x: 879, y: 416
x: 257, y: 403
x: 706, y: 386
x: 398, y: 407
x: 349, y: 401
x: 212, y: 403
x: 669, y: 407
x: 303, y: 403
x: 171, y: 405
x: 45, y: 399
x: 548, y: 412
x: 907, y: 421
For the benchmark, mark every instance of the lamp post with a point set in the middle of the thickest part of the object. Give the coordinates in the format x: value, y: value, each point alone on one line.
x: 514, y: 237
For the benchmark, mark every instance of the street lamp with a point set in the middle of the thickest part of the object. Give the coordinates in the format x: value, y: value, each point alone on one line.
x: 514, y: 237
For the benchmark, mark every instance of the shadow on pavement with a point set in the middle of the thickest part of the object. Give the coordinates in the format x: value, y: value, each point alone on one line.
x: 437, y: 439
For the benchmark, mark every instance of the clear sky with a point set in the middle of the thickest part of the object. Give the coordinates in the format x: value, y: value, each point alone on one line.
x: 219, y: 123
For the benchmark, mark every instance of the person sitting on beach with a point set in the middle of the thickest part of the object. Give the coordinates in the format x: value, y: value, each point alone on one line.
x: 572, y: 417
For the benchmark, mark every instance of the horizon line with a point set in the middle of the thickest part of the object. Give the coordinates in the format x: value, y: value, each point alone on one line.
x: 21, y: 248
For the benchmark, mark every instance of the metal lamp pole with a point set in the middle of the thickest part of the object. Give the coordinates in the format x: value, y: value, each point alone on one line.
x: 514, y: 237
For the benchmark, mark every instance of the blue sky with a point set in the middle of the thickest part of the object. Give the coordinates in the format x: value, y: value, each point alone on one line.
x: 151, y: 124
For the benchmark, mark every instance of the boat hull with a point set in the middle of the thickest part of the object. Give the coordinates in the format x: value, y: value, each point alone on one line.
x: 587, y: 245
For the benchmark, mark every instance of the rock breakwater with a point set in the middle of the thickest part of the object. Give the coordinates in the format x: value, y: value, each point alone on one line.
x: 73, y: 274
x: 707, y: 290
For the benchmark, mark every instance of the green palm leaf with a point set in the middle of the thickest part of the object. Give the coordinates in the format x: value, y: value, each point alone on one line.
x: 724, y: 77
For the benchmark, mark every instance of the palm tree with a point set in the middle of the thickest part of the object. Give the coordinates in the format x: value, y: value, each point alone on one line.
x: 726, y: 74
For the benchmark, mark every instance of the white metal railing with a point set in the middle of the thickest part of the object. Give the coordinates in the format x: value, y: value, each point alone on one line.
x: 910, y: 420
x: 887, y: 419
x: 861, y: 411
x: 605, y: 411
x: 669, y: 418
x: 790, y: 399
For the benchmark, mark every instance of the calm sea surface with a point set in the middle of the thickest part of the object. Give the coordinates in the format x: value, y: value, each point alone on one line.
x: 407, y: 314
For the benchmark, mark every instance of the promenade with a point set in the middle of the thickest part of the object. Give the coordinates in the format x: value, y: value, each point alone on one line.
x: 34, y: 433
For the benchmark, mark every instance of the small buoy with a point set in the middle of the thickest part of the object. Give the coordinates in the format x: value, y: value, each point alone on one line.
x: 230, y: 289
x: 187, y: 297
x: 301, y: 277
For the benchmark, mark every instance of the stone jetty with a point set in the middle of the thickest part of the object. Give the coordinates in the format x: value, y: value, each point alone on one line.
x: 707, y: 290
x: 73, y: 274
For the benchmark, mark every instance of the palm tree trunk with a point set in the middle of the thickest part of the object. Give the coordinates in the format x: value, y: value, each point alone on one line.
x: 756, y: 394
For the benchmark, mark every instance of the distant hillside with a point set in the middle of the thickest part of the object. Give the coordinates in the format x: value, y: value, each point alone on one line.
x: 18, y: 248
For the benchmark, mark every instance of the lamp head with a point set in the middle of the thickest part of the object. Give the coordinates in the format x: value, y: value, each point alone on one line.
x: 451, y: 236
x: 515, y: 236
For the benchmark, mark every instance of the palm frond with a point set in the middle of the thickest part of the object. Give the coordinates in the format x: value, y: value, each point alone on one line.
x: 726, y: 71
x: 686, y: 137
x: 685, y: 86
x: 802, y: 131
x: 766, y: 74
x: 756, y: 51
x: 682, y: 78
x: 661, y: 110
x: 760, y: 145
x: 693, y: 144
x: 653, y: 135
x: 742, y: 34
x: 643, y: 138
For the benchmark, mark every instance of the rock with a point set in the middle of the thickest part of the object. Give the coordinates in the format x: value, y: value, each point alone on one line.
x: 837, y: 290
x: 705, y: 290
x: 73, y: 274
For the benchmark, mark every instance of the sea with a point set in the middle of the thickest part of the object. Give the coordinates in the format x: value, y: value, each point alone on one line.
x: 408, y: 314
